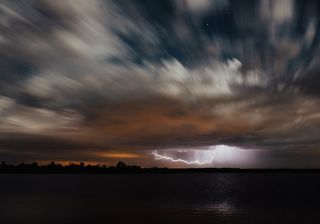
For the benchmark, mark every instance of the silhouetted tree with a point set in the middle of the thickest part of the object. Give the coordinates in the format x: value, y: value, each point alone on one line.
x: 52, y: 164
x: 121, y: 165
x: 53, y: 167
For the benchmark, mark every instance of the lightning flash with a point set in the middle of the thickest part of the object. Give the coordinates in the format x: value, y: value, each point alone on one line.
x: 157, y: 156
x: 213, y: 155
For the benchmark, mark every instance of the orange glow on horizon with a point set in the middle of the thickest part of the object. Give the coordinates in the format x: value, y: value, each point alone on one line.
x: 121, y: 155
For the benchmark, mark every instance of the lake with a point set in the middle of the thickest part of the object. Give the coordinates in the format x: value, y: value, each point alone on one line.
x: 160, y: 198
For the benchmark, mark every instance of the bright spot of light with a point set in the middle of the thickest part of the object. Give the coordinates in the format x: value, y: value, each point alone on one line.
x: 212, y: 155
x: 189, y: 162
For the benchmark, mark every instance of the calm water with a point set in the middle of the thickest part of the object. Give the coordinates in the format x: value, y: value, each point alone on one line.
x: 160, y: 198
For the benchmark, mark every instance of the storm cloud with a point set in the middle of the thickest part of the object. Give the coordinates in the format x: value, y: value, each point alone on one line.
x: 93, y: 80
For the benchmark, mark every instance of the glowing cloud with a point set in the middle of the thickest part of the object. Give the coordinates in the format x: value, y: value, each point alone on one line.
x: 212, y: 156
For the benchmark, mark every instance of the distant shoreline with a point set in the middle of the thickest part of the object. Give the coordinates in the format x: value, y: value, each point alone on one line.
x: 172, y: 171
x: 122, y: 168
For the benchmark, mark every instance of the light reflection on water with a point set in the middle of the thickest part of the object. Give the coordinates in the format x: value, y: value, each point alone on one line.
x: 223, y: 208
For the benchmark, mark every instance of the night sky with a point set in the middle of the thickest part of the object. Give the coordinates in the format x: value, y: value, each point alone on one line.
x: 185, y: 83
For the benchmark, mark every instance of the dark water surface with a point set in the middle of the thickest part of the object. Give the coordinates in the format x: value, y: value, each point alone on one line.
x: 160, y: 198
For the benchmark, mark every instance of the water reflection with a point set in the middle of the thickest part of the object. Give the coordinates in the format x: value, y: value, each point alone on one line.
x: 224, y: 208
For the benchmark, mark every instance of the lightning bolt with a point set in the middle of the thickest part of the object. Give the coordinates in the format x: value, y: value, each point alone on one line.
x: 157, y: 156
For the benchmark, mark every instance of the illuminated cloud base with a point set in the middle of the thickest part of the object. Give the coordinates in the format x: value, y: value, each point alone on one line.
x: 213, y: 156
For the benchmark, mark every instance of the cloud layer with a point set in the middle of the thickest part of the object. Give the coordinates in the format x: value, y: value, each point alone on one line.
x: 87, y: 80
